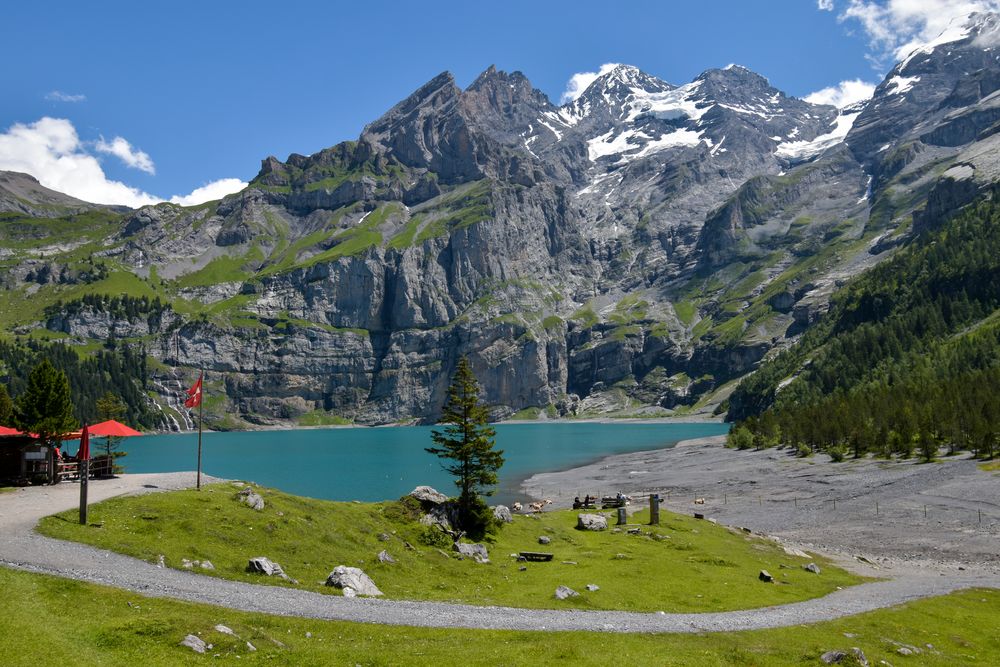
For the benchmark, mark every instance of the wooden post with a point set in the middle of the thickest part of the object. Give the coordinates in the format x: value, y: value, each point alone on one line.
x: 654, y: 509
x: 876, y: 508
x: 84, y: 480
x: 201, y: 412
x: 622, y: 516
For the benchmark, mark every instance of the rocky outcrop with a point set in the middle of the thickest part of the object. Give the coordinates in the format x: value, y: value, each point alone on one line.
x: 353, y: 581
x: 594, y: 522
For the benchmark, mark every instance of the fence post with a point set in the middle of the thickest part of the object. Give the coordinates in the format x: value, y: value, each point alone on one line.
x: 876, y: 508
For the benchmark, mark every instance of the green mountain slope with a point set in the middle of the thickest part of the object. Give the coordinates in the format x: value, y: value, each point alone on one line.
x: 908, y: 356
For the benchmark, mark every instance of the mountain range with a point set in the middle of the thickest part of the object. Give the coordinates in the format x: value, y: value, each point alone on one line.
x: 636, y: 251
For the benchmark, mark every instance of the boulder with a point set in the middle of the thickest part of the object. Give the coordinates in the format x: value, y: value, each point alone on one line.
x: 265, y: 566
x: 352, y: 578
x: 812, y: 567
x: 833, y: 657
x: 765, y: 576
x: 437, y: 516
x: 195, y: 643
x: 251, y: 499
x: 502, y: 513
x: 475, y: 551
x: 591, y: 522
x: 593, y: 587
x: 544, y: 539
x: 207, y: 565
x: 429, y: 495
x: 564, y: 592
x: 224, y: 629
x: 385, y: 557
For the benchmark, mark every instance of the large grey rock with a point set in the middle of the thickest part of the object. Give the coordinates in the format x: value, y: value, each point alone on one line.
x: 833, y: 657
x: 544, y: 539
x: 195, y: 643
x: 765, y: 576
x: 265, y: 566
x: 591, y: 522
x: 353, y: 579
x: 502, y: 513
x: 564, y: 592
x: 385, y: 557
x: 429, y: 495
x: 477, y: 552
x: 251, y: 499
x: 437, y: 515
x: 812, y: 567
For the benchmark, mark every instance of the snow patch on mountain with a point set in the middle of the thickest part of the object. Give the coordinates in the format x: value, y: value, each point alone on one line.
x: 801, y: 150
x: 898, y: 85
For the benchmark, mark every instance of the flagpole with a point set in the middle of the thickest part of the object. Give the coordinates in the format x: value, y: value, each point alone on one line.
x: 201, y: 409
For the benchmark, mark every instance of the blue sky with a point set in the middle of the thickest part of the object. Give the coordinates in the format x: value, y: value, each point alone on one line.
x: 203, y: 91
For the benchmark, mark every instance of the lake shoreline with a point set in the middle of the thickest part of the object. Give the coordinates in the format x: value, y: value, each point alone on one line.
x: 684, y: 419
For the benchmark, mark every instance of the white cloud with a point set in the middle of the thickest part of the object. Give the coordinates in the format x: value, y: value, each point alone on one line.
x: 581, y: 80
x: 51, y: 150
x: 210, y: 191
x: 896, y: 27
x: 825, y: 5
x: 843, y: 94
x: 123, y: 150
x: 59, y: 96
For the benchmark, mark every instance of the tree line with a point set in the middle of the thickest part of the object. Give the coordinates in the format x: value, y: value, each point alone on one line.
x: 906, y: 361
x: 121, y: 371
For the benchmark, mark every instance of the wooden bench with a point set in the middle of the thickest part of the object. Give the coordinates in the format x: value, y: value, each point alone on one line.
x: 535, y: 556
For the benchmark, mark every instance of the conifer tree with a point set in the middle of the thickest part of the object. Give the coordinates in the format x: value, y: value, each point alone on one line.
x: 6, y: 407
x: 44, y: 407
x: 466, y: 448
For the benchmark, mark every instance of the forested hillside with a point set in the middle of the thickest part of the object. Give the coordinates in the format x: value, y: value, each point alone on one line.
x: 118, y: 369
x: 908, y: 358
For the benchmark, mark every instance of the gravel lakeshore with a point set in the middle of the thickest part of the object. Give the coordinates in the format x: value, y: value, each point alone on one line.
x: 868, y: 507
x: 22, y: 548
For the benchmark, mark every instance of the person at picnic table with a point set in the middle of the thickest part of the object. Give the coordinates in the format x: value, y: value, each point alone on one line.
x: 576, y: 501
x: 58, y: 453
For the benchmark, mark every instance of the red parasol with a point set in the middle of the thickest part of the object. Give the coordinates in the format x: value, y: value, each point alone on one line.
x: 84, y: 453
x: 113, y: 428
x: 9, y: 431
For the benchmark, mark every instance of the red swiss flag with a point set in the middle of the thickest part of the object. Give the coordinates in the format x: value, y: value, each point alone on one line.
x: 194, y: 395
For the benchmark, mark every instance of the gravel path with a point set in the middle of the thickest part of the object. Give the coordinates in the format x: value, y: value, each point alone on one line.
x: 22, y: 548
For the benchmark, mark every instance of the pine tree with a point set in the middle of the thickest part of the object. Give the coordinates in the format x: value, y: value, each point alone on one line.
x: 109, y: 406
x: 44, y: 407
x: 6, y: 407
x: 466, y: 447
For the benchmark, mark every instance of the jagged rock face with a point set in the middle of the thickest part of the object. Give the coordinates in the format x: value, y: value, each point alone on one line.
x: 644, y: 244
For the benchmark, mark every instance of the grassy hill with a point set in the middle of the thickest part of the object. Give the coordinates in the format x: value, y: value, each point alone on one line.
x: 682, y: 565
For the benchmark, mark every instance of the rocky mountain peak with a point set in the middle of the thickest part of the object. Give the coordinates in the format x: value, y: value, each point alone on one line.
x: 736, y: 84
x: 503, y: 104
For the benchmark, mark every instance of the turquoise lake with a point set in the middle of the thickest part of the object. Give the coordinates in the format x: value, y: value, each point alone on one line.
x: 371, y: 464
